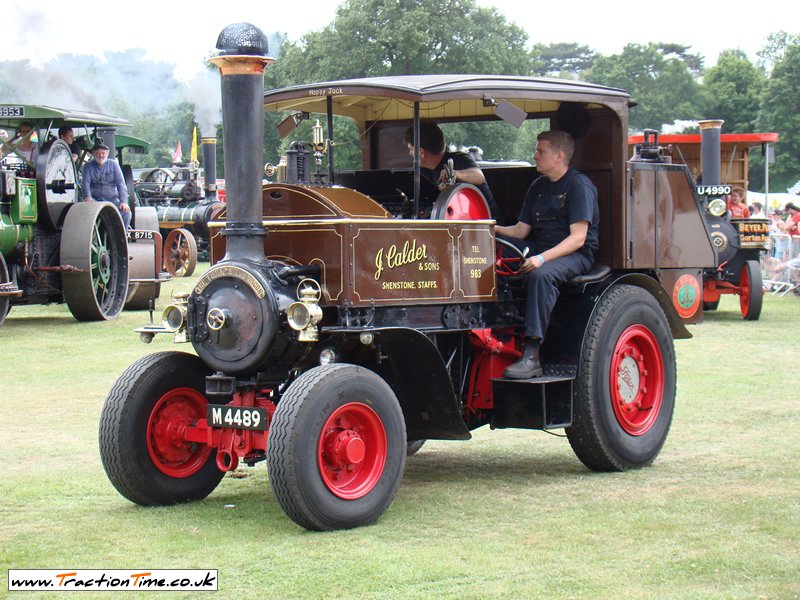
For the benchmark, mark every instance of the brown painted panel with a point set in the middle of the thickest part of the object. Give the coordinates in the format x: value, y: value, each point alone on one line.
x: 421, y: 262
x: 642, y: 225
x: 315, y: 244
x: 682, y: 237
x: 382, y: 261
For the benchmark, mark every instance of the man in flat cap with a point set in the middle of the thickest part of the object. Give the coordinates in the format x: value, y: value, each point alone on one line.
x: 103, y: 181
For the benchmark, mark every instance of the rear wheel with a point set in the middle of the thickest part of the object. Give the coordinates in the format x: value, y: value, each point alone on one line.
x: 142, y: 448
x: 93, y: 241
x: 626, y: 383
x: 337, y: 448
x: 751, y: 294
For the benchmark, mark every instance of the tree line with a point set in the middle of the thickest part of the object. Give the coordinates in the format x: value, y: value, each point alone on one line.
x: 667, y: 81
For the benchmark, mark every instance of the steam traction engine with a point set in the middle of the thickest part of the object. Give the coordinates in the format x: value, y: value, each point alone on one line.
x: 738, y: 242
x: 332, y: 338
x: 184, y: 206
x: 55, y: 248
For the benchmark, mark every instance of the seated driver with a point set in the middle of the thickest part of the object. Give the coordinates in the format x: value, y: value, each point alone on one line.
x: 560, y: 211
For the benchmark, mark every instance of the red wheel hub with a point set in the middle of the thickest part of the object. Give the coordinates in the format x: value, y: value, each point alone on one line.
x: 466, y: 205
x: 637, y: 380
x: 352, y: 451
x: 169, y: 450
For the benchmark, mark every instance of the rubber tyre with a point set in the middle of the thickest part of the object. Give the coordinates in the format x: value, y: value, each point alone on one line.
x: 711, y: 305
x: 127, y: 436
x: 297, y: 461
x: 626, y: 318
x: 5, y: 301
x: 751, y: 295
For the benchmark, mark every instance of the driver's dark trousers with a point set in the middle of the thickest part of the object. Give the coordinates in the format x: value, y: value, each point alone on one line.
x: 543, y: 292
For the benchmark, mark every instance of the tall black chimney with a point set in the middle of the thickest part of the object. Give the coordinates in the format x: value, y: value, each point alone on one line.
x: 241, y: 60
x: 109, y: 137
x: 710, y: 151
x: 209, y: 145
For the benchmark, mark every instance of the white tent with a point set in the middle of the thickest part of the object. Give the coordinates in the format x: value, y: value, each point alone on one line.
x: 775, y: 200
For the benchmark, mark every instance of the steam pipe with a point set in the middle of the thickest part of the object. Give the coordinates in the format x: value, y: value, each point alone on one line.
x: 710, y: 151
x: 209, y: 145
x: 241, y: 60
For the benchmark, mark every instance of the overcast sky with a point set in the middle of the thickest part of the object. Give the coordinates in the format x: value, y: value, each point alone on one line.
x: 39, y: 29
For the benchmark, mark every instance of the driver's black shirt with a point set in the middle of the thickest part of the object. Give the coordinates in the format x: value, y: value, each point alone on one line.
x: 550, y: 207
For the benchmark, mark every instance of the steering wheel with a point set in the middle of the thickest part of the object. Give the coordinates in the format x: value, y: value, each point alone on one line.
x: 508, y: 258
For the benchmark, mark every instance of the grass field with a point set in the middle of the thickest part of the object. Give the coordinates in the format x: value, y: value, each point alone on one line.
x: 508, y: 514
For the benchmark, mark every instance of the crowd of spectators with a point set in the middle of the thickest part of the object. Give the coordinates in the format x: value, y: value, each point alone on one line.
x: 782, y: 262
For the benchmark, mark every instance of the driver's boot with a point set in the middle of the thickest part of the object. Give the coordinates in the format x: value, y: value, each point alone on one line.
x: 529, y: 365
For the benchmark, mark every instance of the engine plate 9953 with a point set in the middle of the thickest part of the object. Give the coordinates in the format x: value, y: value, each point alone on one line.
x: 236, y: 417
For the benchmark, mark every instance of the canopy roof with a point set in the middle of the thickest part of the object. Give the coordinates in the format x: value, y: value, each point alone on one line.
x: 11, y: 115
x: 131, y: 144
x: 440, y: 96
x: 743, y: 139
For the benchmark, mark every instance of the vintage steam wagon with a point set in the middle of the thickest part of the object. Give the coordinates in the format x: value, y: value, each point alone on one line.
x: 343, y: 327
x: 723, y: 161
x: 55, y: 248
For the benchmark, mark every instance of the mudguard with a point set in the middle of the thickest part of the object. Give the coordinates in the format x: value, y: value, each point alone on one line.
x: 574, y: 309
x: 419, y: 377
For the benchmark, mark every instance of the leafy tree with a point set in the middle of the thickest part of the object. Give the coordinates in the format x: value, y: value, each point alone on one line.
x: 394, y: 37
x: 661, y: 78
x: 733, y: 87
x: 562, y: 59
x: 775, y: 47
x: 780, y: 111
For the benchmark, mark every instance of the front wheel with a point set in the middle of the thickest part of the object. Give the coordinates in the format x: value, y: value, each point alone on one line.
x: 142, y: 447
x: 751, y: 290
x: 625, y: 392
x: 337, y: 448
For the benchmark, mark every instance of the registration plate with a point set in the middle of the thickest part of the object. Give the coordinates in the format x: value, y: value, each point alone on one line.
x: 12, y: 111
x: 237, y: 417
